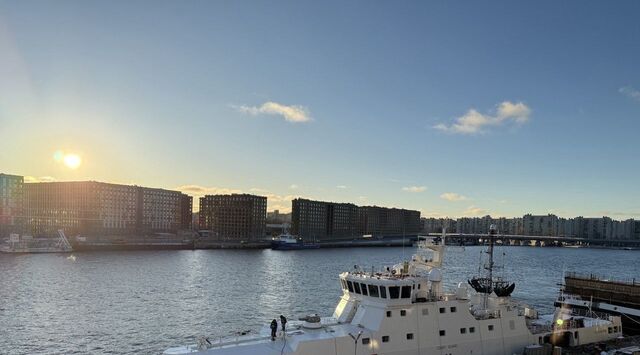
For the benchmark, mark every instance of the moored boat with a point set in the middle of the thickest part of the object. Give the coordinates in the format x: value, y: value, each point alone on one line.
x: 403, y: 309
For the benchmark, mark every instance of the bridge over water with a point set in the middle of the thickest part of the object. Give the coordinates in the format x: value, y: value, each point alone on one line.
x: 539, y: 240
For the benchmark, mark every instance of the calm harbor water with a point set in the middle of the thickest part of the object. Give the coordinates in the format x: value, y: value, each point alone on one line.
x: 146, y: 301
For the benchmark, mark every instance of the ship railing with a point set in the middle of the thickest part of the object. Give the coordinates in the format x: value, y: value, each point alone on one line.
x: 595, y: 277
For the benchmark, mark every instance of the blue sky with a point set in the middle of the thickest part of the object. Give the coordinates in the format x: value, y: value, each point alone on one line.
x: 452, y: 108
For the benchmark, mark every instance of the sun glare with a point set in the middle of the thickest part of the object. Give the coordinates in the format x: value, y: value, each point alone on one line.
x: 72, y: 161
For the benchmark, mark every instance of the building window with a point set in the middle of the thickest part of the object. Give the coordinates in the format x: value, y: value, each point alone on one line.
x: 385, y: 338
x: 442, y: 310
x: 409, y: 336
x: 365, y: 341
x: 425, y: 311
x: 490, y: 327
x: 403, y: 313
x: 442, y: 333
x: 389, y: 314
x: 453, y: 309
x: 463, y: 330
x: 472, y: 330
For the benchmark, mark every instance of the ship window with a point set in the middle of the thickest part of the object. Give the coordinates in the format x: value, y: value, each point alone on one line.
x: 491, y: 327
x: 575, y: 334
x: 385, y: 338
x: 389, y: 314
x: 463, y: 330
x: 365, y: 341
x: 383, y: 292
x: 418, y: 286
x: 472, y: 330
x: 406, y: 291
x: 394, y: 292
x: 442, y: 333
x: 610, y: 330
x: 373, y: 291
x: 409, y: 336
x: 403, y: 312
x: 350, y: 286
x: 453, y: 309
x: 425, y: 311
x: 357, y: 287
x: 442, y: 309
x: 364, y: 290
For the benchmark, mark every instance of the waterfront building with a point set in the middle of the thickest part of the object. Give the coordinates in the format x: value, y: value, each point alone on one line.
x: 319, y: 220
x: 545, y: 225
x: 383, y: 221
x: 235, y: 217
x: 435, y: 225
x: 97, y: 208
x: 11, y: 206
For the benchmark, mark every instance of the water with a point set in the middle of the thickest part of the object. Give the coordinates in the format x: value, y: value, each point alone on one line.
x: 146, y: 301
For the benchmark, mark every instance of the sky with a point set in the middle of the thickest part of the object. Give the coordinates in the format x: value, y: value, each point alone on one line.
x: 454, y: 108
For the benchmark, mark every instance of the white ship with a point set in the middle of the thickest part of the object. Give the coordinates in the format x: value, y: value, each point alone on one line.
x: 28, y: 244
x: 403, y: 310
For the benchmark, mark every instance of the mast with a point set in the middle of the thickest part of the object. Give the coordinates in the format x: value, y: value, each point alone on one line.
x: 489, y: 266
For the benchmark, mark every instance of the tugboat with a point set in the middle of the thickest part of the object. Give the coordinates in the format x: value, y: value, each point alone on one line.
x: 288, y: 242
x: 403, y: 309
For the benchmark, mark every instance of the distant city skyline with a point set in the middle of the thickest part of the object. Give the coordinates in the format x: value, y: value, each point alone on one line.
x: 452, y: 109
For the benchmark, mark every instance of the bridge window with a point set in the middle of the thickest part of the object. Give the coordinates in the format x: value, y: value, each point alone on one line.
x: 389, y: 314
x: 385, y: 338
x: 350, y: 286
x: 406, y: 291
x: 409, y: 336
x: 442, y: 309
x: 383, y: 292
x: 442, y: 333
x: 364, y: 290
x: 394, y: 292
x: 490, y: 327
x: 403, y: 313
x: 472, y: 330
x: 463, y: 330
x: 356, y: 286
x: 365, y: 341
x: 453, y: 309
x: 373, y: 291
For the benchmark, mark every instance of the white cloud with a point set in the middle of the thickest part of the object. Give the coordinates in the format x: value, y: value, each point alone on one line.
x: 293, y: 113
x: 293, y: 187
x: 414, y: 188
x: 474, y: 122
x: 474, y: 211
x: 452, y: 196
x: 630, y: 92
x: 30, y: 179
x: 341, y: 187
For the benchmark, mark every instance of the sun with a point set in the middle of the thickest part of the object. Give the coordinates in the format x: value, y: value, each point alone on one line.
x: 72, y: 161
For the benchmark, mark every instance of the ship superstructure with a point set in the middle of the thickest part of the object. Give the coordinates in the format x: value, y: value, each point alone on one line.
x: 403, y: 309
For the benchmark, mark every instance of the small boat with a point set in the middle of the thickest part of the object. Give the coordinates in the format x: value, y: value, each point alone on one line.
x: 28, y: 244
x: 290, y: 242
